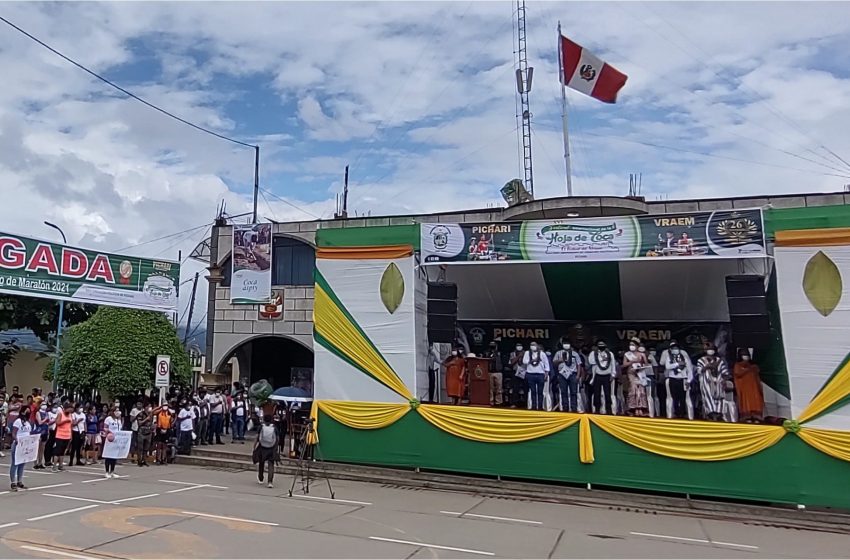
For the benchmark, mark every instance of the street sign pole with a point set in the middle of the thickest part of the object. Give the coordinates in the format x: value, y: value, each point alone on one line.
x: 162, y: 374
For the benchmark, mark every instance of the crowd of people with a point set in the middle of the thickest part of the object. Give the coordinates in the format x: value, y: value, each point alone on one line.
x: 76, y: 429
x: 636, y: 382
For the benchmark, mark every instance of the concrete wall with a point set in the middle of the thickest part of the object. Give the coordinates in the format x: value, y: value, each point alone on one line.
x: 26, y: 372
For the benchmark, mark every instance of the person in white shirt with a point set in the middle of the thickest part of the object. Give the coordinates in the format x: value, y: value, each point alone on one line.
x: 679, y: 373
x: 186, y: 421
x: 216, y: 402
x: 20, y: 427
x: 111, y: 425
x: 536, y: 370
x: 240, y: 414
x: 603, y: 366
x: 517, y: 386
x: 78, y: 435
x: 568, y: 364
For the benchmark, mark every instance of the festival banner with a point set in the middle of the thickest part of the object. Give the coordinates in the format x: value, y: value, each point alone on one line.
x: 31, y: 267
x: 694, y: 235
x: 251, y: 279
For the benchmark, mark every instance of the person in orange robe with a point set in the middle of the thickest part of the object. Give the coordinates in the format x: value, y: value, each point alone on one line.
x: 455, y: 375
x: 749, y: 389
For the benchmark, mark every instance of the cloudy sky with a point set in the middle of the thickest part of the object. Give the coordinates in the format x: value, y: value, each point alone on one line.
x: 418, y: 97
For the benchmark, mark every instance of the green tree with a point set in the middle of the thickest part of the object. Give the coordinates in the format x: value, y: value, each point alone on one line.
x: 39, y: 314
x: 114, y: 352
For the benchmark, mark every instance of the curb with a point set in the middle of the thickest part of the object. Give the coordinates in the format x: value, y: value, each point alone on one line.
x: 761, y: 515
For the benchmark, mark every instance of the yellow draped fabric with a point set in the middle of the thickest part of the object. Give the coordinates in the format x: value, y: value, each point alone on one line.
x: 585, y: 442
x: 495, y: 425
x: 332, y: 324
x: 813, y: 237
x: 313, y: 437
x: 365, y: 253
x: 364, y: 415
x: 691, y: 440
x: 832, y: 442
x: 836, y: 389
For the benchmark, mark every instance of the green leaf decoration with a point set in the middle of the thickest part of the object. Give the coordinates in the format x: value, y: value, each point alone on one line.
x: 822, y: 283
x: 392, y: 288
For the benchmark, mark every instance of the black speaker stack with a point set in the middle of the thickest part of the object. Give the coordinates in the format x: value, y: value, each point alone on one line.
x: 748, y: 311
x: 442, y: 312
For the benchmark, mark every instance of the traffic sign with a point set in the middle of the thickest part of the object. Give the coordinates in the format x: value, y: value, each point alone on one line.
x: 163, y: 371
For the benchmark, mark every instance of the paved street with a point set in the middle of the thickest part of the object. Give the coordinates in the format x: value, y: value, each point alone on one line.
x: 190, y: 512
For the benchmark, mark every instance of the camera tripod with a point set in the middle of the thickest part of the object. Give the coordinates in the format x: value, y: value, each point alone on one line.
x: 307, y: 455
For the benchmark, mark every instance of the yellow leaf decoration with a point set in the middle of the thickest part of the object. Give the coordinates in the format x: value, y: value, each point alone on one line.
x: 822, y: 283
x: 392, y: 288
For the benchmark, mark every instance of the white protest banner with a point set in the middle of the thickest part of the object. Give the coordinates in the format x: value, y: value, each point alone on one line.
x: 27, y: 449
x: 119, y: 447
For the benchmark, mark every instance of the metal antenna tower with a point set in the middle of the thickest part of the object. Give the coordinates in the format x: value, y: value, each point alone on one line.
x: 523, y: 85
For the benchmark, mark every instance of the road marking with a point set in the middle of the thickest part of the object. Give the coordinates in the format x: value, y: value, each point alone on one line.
x: 56, y: 552
x: 193, y: 484
x: 441, y: 547
x: 461, y: 514
x: 97, y: 480
x: 230, y: 518
x: 78, y: 499
x: 4, y: 492
x: 7, y: 525
x: 185, y: 488
x: 135, y: 498
x: 50, y: 486
x: 733, y: 544
x: 58, y: 513
x: 670, y: 537
x: 355, y: 502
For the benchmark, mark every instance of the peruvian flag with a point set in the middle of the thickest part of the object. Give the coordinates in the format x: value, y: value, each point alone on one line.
x: 585, y: 72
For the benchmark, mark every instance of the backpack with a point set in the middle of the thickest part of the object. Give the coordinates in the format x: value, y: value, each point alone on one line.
x: 268, y: 436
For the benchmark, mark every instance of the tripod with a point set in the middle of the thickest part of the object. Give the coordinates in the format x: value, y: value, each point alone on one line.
x: 307, y: 455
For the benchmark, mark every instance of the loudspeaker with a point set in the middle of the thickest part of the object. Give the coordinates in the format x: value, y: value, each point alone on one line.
x: 442, y: 312
x: 748, y: 315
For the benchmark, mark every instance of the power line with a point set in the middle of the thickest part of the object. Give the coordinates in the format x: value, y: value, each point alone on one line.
x: 161, y: 238
x: 122, y: 90
x: 266, y: 200
x: 289, y: 203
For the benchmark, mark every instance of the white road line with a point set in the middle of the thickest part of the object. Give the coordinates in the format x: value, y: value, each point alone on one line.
x: 185, y: 488
x: 99, y: 479
x: 78, y: 499
x: 670, y: 537
x: 4, y: 492
x: 135, y: 498
x: 194, y: 484
x: 230, y: 518
x: 355, y: 502
x: 50, y: 486
x: 7, y: 525
x: 440, y: 547
x: 58, y: 513
x: 56, y: 552
x: 733, y: 544
x: 497, y: 518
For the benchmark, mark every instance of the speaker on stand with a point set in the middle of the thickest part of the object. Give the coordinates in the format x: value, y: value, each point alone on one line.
x: 748, y: 317
x: 442, y: 312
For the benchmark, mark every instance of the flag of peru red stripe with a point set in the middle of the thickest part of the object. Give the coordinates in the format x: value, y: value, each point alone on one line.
x: 585, y: 72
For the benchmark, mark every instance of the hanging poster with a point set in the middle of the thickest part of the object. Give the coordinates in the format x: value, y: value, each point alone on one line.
x: 35, y: 268
x: 251, y: 279
x: 719, y: 234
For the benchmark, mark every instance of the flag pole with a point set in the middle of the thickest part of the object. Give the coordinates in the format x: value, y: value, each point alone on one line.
x: 564, y: 115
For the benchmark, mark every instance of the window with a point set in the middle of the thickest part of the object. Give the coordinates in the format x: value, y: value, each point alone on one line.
x: 293, y: 262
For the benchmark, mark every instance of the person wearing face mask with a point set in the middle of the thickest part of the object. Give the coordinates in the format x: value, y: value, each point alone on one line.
x: 568, y: 364
x: 749, y: 388
x: 495, y: 367
x: 517, y: 385
x: 52, y: 414
x: 78, y: 435
x: 602, y: 368
x: 216, y: 401
x: 679, y: 373
x: 111, y: 425
x: 145, y: 438
x: 41, y: 423
x: 634, y: 370
x: 536, y: 370
x: 186, y: 420
x: 651, y: 371
x: 455, y: 375
x: 713, y: 374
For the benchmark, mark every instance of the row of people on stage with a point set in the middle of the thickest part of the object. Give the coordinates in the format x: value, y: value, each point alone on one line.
x: 638, y: 383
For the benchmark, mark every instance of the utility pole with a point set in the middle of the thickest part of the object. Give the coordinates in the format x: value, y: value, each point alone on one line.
x: 523, y: 84
x: 61, y: 318
x: 342, y: 210
x: 191, y: 310
x: 256, y: 180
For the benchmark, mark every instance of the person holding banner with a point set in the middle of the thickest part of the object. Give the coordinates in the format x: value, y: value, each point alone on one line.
x: 21, y: 435
x: 111, y: 426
